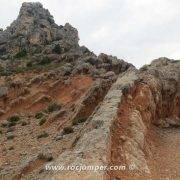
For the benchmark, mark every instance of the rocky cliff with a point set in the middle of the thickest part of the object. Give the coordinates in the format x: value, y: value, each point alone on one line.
x: 60, y: 104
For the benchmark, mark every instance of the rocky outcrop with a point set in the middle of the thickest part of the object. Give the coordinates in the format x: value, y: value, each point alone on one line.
x: 34, y: 31
x: 120, y: 131
x: 39, y: 41
x: 154, y: 99
x: 93, y: 147
x: 163, y: 78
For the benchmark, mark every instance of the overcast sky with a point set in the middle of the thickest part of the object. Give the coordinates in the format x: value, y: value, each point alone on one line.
x: 134, y: 30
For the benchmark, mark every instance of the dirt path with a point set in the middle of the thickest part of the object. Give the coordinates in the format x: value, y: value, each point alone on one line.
x: 165, y: 161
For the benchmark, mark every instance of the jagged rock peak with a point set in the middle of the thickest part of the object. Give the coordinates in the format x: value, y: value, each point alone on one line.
x: 35, y: 30
x: 36, y: 11
x: 33, y: 16
x: 32, y: 8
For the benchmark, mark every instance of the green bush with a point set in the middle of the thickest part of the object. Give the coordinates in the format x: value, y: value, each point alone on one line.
x: 29, y: 64
x: 6, y: 72
x: 42, y: 121
x: 57, y: 49
x: 21, y: 54
x: 45, y: 61
x: 39, y: 115
x: 43, y: 135
x: 12, y: 121
x: 14, y: 118
x: 68, y: 130
x: 53, y: 107
x: 79, y: 120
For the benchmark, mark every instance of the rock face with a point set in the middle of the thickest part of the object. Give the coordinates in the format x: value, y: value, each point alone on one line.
x: 60, y: 102
x: 35, y: 31
x: 163, y: 77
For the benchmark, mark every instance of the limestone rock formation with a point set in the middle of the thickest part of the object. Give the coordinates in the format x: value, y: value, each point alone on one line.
x: 35, y: 31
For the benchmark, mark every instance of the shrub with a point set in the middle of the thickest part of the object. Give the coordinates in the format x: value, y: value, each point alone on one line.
x: 11, y: 148
x: 23, y: 123
x: 68, y: 130
x: 29, y: 64
x: 42, y: 121
x: 45, y: 61
x: 79, y: 120
x: 21, y: 54
x: 57, y: 49
x: 43, y: 135
x: 39, y: 115
x: 53, y: 107
x: 10, y: 124
x: 12, y: 121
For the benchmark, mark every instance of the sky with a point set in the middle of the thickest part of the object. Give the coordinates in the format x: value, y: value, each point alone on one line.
x: 137, y: 31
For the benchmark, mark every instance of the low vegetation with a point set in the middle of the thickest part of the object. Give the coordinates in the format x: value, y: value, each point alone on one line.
x: 45, y: 61
x: 42, y: 121
x: 39, y: 115
x: 21, y: 54
x: 68, y: 130
x: 79, y: 120
x: 12, y: 121
x: 53, y: 107
x: 24, y: 123
x: 57, y: 49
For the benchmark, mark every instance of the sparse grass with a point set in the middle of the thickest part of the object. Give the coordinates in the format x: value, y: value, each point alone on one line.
x: 45, y: 61
x: 39, y: 115
x: 68, y: 130
x: 21, y: 54
x: 42, y: 121
x: 43, y: 135
x: 37, y: 67
x: 79, y: 120
x: 53, y: 107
